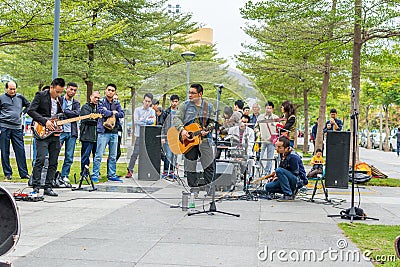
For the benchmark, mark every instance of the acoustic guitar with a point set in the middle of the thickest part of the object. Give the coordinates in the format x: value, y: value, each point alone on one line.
x: 41, y: 132
x: 179, y: 146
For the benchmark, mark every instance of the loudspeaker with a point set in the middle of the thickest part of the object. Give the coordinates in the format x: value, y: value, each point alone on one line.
x: 337, y: 160
x: 9, y: 222
x: 225, y: 176
x: 149, y: 153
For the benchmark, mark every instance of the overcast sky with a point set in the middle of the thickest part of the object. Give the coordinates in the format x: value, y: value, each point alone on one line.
x: 223, y: 16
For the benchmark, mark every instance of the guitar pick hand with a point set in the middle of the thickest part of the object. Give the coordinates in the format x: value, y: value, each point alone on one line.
x: 50, y: 125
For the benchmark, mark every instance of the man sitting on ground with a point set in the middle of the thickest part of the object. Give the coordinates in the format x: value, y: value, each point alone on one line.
x: 290, y: 175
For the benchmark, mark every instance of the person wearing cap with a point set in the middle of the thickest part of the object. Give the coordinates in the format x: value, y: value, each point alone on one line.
x: 333, y: 124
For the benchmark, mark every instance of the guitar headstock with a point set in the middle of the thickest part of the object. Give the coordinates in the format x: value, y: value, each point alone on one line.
x: 95, y: 115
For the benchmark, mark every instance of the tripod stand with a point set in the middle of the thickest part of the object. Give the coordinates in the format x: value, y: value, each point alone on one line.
x: 213, y: 207
x: 351, y: 213
x: 85, y: 175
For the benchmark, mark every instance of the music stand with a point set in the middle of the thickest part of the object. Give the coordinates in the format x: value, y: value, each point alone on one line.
x: 351, y: 214
x: 213, y: 207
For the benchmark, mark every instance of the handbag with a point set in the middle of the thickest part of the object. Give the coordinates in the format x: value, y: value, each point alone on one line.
x: 274, y: 137
x: 109, y: 124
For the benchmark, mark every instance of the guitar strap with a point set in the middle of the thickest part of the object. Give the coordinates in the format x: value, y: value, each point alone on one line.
x: 205, y: 113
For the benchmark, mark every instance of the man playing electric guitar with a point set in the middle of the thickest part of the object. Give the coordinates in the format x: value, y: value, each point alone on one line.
x: 290, y: 175
x: 46, y: 104
x: 197, y: 110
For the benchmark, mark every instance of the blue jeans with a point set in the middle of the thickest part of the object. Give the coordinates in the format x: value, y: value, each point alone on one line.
x: 87, y: 149
x: 286, y: 182
x: 170, y: 158
x: 70, y: 142
x: 270, y: 155
x: 17, y: 138
x: 398, y: 148
x: 104, y: 139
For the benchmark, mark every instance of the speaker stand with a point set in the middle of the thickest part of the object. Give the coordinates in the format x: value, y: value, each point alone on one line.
x: 213, y: 207
x: 351, y: 215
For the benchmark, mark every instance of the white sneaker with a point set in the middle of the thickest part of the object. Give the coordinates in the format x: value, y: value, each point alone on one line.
x: 66, y: 180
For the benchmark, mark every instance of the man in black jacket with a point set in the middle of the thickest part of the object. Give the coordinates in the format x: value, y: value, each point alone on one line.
x: 11, y: 108
x: 88, y: 132
x: 45, y: 105
x: 71, y: 109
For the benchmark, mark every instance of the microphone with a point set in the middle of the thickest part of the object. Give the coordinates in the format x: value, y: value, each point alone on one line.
x: 219, y: 85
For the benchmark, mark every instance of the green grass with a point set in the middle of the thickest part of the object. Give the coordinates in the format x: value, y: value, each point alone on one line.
x: 378, y: 239
x: 75, y: 168
x: 384, y: 182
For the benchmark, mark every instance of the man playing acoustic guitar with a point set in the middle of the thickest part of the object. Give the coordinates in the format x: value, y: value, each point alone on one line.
x: 197, y: 112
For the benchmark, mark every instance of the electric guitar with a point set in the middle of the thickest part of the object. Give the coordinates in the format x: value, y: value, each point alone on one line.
x: 41, y: 132
x: 179, y: 146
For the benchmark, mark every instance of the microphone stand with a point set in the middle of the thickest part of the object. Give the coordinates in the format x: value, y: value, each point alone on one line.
x: 213, y: 207
x: 351, y: 214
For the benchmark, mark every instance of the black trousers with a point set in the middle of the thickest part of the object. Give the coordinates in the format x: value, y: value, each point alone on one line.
x: 205, y: 153
x: 52, y: 145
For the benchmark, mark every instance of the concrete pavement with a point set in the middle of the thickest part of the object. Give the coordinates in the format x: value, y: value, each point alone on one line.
x: 81, y: 228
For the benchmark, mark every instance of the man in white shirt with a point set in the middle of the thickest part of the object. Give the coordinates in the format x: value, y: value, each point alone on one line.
x: 144, y: 115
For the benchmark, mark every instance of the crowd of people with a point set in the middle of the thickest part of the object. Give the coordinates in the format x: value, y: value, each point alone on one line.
x: 100, y: 126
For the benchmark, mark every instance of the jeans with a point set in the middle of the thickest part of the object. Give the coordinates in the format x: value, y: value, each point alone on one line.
x: 135, y: 155
x: 286, y: 182
x: 17, y: 138
x: 170, y: 158
x: 70, y: 142
x: 398, y: 148
x: 270, y: 155
x: 87, y: 149
x: 104, y: 139
x: 51, y: 146
x: 118, y: 151
x: 205, y: 153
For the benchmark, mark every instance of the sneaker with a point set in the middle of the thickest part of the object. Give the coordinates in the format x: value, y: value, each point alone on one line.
x: 66, y: 180
x: 115, y: 179
x: 8, y: 178
x: 285, y: 198
x: 26, y: 177
x: 95, y: 180
x: 164, y: 175
x: 128, y: 175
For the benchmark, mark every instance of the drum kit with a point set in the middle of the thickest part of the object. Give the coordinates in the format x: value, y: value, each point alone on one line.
x: 9, y: 223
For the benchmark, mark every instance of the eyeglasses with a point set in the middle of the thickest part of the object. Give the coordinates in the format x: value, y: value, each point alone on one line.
x: 110, y: 90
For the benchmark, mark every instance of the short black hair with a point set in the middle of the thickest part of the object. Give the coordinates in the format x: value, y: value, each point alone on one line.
x: 149, y: 95
x: 174, y: 97
x: 72, y: 84
x: 239, y: 103
x: 46, y: 87
x: 16, y: 85
x: 198, y: 87
x: 247, y: 107
x: 58, y: 82
x: 318, y: 150
x: 270, y: 104
x: 246, y: 117
x: 112, y: 85
x: 155, y: 102
x: 285, y: 141
x: 333, y: 110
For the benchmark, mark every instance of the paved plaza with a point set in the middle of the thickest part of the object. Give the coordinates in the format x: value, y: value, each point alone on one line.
x: 137, y: 223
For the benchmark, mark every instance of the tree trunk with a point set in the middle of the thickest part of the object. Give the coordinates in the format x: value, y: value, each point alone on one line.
x: 319, y: 141
x: 356, y: 72
x: 133, y: 99
x: 306, y: 121
x: 88, y: 80
x: 387, y: 131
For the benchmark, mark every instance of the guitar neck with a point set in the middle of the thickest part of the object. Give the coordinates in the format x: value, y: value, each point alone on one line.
x: 73, y: 119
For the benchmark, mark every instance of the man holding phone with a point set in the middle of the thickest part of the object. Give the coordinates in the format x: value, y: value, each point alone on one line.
x: 333, y: 124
